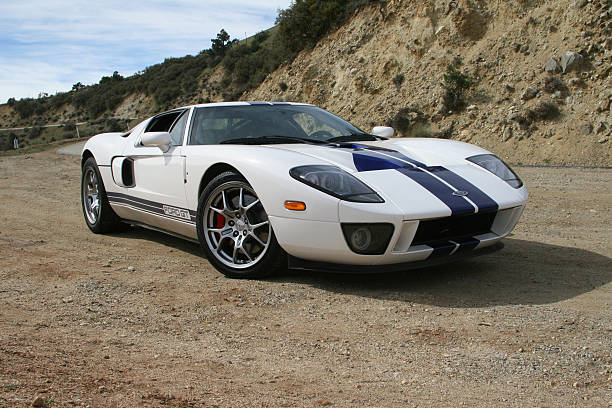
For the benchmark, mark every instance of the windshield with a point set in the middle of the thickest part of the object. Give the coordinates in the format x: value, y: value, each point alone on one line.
x: 269, y: 123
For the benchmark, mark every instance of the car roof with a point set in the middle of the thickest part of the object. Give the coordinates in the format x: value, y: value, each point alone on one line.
x: 245, y: 103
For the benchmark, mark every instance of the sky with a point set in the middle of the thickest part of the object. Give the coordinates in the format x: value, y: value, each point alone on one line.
x: 49, y: 45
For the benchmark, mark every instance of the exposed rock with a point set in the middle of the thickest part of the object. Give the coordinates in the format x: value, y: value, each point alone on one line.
x: 39, y: 402
x: 601, y: 128
x: 552, y: 66
x: 470, y: 24
x: 529, y: 93
x: 507, y: 133
x: 571, y: 61
x: 586, y: 129
x: 580, y: 4
x: 603, y: 140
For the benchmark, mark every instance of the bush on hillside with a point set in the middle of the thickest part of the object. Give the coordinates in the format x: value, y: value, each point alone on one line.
x: 306, y: 21
x: 455, y: 84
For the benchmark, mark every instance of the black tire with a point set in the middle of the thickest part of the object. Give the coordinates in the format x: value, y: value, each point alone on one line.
x: 268, y: 260
x: 106, y: 220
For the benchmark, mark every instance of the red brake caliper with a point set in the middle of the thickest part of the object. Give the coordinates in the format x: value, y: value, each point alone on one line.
x: 219, y: 221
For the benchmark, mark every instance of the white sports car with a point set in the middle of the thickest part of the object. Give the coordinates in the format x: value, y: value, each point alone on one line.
x: 263, y: 186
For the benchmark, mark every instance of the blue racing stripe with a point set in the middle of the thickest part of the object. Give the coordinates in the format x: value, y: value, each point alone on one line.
x: 442, y: 249
x: 369, y: 158
x: 476, y: 195
x: 366, y: 161
x: 466, y: 244
x: 458, y: 205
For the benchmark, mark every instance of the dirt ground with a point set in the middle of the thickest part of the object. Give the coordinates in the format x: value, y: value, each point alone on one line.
x: 142, y: 319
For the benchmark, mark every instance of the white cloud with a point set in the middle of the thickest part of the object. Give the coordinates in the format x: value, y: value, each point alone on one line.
x: 46, y: 46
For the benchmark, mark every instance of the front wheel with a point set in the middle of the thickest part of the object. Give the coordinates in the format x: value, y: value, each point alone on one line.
x: 99, y: 215
x: 234, y: 230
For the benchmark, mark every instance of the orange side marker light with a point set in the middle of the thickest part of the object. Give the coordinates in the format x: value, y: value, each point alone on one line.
x: 295, y: 206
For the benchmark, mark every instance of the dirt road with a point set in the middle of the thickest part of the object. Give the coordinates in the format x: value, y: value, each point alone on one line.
x: 141, y: 319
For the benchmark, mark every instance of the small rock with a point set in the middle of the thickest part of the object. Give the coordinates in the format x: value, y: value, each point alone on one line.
x: 571, y: 61
x: 131, y: 269
x: 507, y: 134
x: 575, y: 82
x: 472, y: 107
x: 569, y: 100
x: 529, y: 93
x: 439, y: 30
x: 556, y: 95
x: 601, y: 128
x: 39, y: 402
x: 510, y: 88
x: 552, y: 66
x: 68, y: 299
x: 603, y: 140
x: 580, y: 3
x: 586, y: 129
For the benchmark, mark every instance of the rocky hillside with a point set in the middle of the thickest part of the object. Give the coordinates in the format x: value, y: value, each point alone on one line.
x: 527, y: 79
x: 539, y: 71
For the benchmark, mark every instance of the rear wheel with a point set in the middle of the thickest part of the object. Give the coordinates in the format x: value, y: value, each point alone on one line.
x: 99, y: 215
x: 234, y: 230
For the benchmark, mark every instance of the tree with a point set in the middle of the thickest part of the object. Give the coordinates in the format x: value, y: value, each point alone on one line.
x: 11, y: 102
x: 77, y: 86
x: 220, y: 44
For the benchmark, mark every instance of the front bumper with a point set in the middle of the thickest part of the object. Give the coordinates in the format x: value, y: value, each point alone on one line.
x: 305, y: 265
x: 317, y: 241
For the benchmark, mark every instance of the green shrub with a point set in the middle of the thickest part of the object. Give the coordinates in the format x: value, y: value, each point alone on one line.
x: 455, y: 84
x: 306, y: 21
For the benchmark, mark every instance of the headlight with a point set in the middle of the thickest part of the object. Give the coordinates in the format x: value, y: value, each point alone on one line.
x: 335, y: 182
x: 496, y: 166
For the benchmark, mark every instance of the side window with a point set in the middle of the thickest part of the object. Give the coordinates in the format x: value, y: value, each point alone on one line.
x: 163, y: 122
x: 178, y: 130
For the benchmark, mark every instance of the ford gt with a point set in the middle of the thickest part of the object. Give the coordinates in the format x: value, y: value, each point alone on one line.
x: 263, y: 186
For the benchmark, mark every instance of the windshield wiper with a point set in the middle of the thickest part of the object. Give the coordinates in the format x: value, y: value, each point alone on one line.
x: 356, y: 138
x: 271, y: 140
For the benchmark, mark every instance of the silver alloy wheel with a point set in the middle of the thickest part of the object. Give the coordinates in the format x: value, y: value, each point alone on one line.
x: 236, y: 227
x: 91, y: 195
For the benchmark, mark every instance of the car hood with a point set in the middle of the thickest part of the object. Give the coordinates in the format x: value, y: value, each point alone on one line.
x: 431, y: 152
x: 419, y: 173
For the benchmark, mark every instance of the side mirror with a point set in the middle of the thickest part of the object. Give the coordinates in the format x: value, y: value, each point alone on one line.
x: 384, y: 131
x: 157, y: 139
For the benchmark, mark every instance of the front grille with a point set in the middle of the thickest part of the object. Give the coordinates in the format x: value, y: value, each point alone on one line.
x: 456, y: 227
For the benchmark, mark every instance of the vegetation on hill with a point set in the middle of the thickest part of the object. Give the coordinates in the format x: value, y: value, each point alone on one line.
x: 246, y: 64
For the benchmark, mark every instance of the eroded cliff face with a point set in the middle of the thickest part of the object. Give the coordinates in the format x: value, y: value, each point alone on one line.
x: 387, y: 64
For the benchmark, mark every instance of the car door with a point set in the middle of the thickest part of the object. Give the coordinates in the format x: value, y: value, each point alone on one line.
x: 157, y: 195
